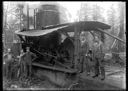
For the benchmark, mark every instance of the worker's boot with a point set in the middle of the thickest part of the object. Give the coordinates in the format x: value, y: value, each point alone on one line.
x: 96, y: 75
x: 96, y: 72
x: 102, y: 73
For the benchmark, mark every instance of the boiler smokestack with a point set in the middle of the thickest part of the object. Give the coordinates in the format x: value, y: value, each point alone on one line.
x: 47, y: 15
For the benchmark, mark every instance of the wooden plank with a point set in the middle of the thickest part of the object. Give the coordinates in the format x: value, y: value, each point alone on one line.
x: 54, y: 68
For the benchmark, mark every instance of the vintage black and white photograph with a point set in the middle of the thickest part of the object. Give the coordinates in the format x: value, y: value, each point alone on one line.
x: 64, y: 45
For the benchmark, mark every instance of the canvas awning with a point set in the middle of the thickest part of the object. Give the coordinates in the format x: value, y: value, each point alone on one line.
x: 68, y: 27
x: 33, y: 32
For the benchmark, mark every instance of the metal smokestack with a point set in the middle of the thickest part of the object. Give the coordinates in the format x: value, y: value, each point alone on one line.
x: 47, y: 15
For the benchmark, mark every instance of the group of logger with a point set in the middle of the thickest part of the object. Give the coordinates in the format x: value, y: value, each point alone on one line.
x: 92, y: 58
x: 20, y: 66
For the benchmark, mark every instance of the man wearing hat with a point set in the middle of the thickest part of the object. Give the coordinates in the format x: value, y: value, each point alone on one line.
x: 83, y: 52
x: 98, y: 58
x: 29, y: 57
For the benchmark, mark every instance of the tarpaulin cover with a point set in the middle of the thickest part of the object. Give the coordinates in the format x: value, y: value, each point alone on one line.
x: 33, y: 32
x: 68, y: 27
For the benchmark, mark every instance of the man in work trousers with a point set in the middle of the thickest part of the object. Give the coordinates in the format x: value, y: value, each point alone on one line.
x: 29, y: 57
x: 83, y: 52
x: 98, y: 58
x: 90, y: 60
x: 22, y: 64
x: 8, y: 61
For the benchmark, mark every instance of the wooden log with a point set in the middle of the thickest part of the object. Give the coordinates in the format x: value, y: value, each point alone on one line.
x: 54, y: 68
x: 111, y: 35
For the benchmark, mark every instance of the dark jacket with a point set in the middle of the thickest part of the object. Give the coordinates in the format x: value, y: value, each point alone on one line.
x: 84, y: 49
x: 29, y: 57
x: 98, y: 52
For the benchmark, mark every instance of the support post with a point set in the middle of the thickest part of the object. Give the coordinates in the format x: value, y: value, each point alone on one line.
x: 27, y: 16
x: 76, y: 53
x: 34, y: 18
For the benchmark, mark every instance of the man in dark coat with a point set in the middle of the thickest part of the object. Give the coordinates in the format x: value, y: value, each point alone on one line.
x: 29, y: 57
x: 98, y: 58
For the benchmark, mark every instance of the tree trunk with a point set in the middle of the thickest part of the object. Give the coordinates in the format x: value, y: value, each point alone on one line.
x: 121, y: 46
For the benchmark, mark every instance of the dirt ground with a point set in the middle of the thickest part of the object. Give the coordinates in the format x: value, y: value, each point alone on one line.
x: 35, y: 83
x: 84, y: 83
x: 115, y: 80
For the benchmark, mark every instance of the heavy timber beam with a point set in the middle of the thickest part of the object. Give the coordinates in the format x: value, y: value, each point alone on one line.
x: 76, y: 53
x: 111, y: 35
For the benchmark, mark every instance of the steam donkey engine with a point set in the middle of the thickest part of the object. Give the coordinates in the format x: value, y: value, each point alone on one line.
x: 57, y: 50
x: 55, y: 53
